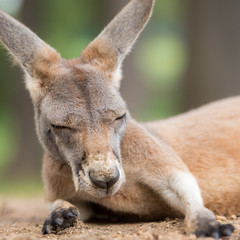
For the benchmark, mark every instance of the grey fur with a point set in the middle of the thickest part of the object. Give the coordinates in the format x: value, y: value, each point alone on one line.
x: 22, y: 42
x: 125, y: 28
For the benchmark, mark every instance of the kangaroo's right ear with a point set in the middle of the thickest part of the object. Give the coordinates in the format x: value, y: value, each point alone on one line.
x: 37, y: 58
x: 108, y: 50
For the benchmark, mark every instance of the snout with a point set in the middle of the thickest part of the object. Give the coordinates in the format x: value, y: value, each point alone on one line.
x: 100, y: 175
x: 107, y: 182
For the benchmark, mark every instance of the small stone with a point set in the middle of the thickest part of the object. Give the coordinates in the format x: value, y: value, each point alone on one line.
x: 233, y: 217
x: 221, y: 218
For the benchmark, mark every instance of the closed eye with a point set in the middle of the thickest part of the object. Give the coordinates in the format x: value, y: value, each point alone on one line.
x: 121, y: 117
x: 59, y: 127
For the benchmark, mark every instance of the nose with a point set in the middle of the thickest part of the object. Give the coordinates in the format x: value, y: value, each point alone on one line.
x: 104, y: 184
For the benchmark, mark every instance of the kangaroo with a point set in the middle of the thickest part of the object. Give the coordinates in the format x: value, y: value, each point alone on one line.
x: 96, y: 153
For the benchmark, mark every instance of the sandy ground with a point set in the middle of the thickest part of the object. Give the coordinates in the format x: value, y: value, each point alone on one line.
x: 22, y: 219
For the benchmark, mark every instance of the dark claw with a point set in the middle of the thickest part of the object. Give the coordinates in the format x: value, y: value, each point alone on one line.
x: 215, y: 230
x: 60, y: 218
x: 215, y: 235
x: 46, y: 229
x: 70, y: 215
x: 226, y: 230
x: 59, y: 221
x: 75, y: 212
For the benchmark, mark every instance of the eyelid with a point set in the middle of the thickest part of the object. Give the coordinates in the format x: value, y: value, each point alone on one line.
x: 121, y: 117
x: 59, y: 126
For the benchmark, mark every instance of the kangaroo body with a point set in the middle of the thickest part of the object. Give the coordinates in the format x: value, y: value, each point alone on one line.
x: 203, y: 138
x: 207, y: 140
x: 95, y: 152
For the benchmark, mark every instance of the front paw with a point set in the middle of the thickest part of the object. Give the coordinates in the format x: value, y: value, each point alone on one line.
x: 214, y: 229
x: 60, y: 218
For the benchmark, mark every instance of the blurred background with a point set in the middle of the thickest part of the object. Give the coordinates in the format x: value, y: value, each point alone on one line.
x: 187, y: 56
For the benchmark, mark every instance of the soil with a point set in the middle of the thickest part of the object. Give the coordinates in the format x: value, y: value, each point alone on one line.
x: 22, y: 219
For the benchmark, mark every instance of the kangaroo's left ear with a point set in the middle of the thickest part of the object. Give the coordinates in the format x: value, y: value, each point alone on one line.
x: 108, y: 50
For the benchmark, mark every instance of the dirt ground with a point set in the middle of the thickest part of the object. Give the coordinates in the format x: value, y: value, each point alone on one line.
x: 22, y: 219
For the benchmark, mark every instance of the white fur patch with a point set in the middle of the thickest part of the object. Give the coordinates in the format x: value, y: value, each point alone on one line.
x: 103, y: 164
x: 33, y: 86
x: 117, y: 76
x: 180, y: 190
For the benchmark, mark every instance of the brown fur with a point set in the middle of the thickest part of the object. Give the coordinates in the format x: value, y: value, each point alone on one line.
x: 46, y: 65
x: 208, y: 140
x: 100, y: 52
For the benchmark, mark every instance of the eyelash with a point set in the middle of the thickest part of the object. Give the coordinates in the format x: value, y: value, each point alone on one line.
x: 58, y: 127
x: 121, y: 117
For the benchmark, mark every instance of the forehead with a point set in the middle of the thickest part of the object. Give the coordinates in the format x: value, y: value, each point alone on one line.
x: 82, y: 92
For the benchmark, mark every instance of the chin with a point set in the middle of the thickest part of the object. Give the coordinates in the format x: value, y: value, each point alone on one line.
x: 101, y: 193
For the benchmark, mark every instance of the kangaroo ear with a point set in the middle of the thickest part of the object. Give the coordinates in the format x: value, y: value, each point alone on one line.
x: 108, y: 50
x: 37, y: 59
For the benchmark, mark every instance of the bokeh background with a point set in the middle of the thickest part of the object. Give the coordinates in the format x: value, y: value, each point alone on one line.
x: 187, y: 56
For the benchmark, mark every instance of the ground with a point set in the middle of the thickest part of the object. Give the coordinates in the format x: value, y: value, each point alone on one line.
x: 22, y: 219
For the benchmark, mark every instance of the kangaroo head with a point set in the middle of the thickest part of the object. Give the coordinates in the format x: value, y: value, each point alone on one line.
x: 80, y: 115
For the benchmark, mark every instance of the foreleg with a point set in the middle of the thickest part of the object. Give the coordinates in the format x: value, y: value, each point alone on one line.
x: 180, y: 190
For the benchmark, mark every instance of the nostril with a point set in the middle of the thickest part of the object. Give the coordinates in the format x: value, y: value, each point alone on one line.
x: 98, y: 183
x: 104, y: 184
x: 112, y: 181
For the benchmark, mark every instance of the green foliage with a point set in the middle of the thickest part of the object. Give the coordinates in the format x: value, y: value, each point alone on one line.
x: 171, y: 10
x: 8, y: 143
x: 163, y: 60
x: 72, y: 33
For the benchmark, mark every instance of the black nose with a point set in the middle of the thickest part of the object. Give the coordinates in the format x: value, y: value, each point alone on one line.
x: 104, y: 184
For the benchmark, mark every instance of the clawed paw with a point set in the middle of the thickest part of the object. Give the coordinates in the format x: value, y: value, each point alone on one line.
x: 215, y: 229
x: 60, y: 218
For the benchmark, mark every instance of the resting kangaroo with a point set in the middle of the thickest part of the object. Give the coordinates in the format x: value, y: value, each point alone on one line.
x: 95, y: 153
